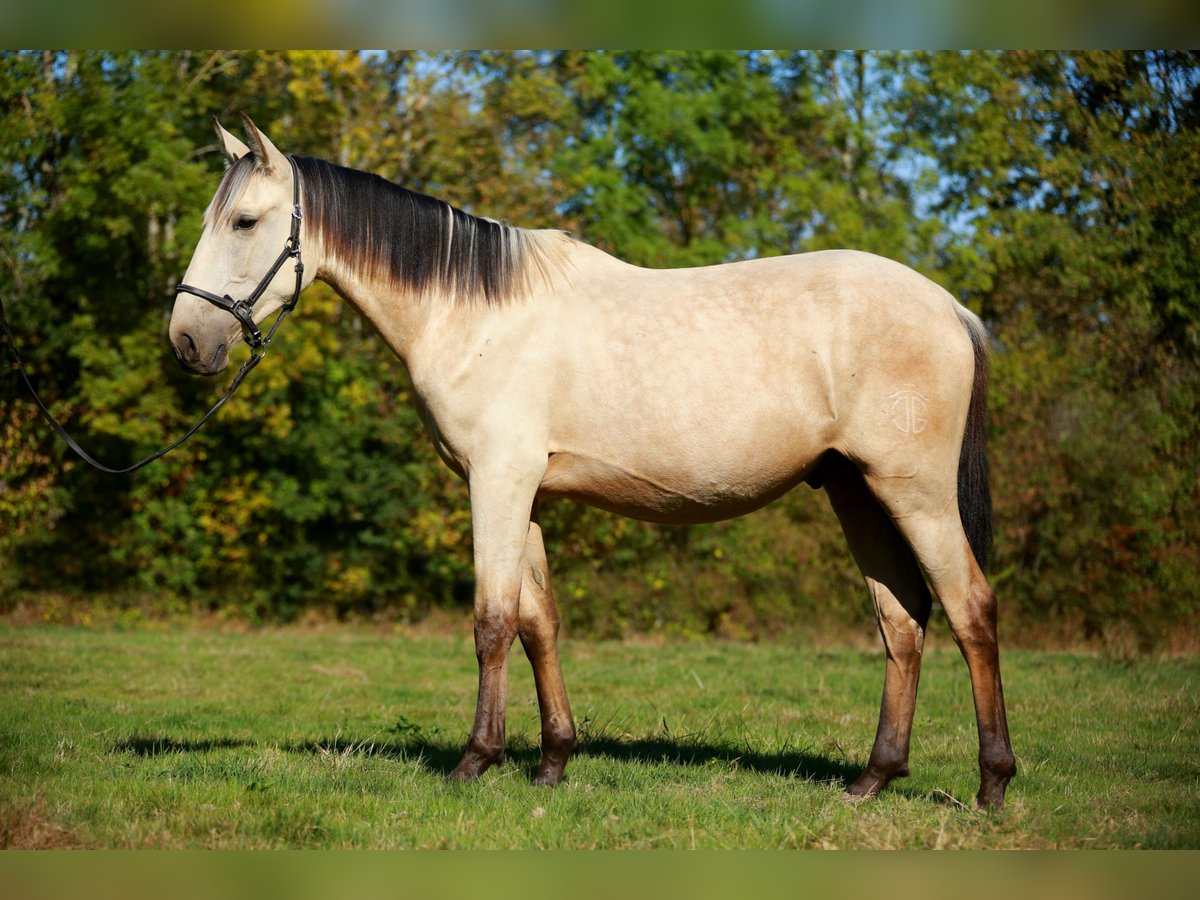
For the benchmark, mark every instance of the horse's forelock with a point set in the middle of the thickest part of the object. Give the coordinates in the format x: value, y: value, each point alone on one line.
x: 233, y: 185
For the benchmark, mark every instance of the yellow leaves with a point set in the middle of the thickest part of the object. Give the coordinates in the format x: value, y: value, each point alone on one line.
x: 317, y: 73
x: 347, y: 582
x: 437, y: 531
x: 307, y: 68
x: 230, y: 513
x: 355, y: 395
x: 25, y: 501
x: 536, y: 93
x: 339, y: 89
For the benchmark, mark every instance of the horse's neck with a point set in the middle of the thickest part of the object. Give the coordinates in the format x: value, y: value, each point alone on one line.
x: 400, y: 320
x: 432, y: 335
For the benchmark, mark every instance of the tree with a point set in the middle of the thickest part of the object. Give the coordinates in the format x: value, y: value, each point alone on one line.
x: 1052, y: 192
x: 1070, y: 180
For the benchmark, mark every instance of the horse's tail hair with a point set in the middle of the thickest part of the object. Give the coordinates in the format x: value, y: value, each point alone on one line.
x: 974, y: 492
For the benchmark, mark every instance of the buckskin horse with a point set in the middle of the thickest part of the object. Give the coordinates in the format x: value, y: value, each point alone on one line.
x: 544, y: 367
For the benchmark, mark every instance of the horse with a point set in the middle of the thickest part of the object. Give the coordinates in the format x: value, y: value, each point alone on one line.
x: 544, y: 367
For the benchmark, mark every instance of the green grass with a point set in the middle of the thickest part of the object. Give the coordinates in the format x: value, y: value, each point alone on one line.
x: 342, y: 738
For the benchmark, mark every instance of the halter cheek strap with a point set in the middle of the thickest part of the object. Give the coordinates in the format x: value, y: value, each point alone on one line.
x: 243, y: 310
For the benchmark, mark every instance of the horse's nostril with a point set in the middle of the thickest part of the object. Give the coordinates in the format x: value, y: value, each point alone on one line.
x: 184, y: 347
x: 185, y: 350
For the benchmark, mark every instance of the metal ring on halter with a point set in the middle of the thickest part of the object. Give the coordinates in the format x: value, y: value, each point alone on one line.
x: 243, y: 310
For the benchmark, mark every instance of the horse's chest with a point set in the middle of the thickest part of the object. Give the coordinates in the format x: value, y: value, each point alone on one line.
x: 449, y: 446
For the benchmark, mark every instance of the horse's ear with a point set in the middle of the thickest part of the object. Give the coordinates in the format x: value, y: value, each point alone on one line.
x: 234, y: 149
x: 266, y: 154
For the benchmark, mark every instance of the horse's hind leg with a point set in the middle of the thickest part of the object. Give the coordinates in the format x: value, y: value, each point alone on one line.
x: 933, y: 530
x: 973, y: 622
x: 538, y: 629
x: 902, y: 603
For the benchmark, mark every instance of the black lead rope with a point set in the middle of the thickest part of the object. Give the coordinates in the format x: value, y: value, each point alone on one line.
x: 71, y: 442
x: 242, y: 310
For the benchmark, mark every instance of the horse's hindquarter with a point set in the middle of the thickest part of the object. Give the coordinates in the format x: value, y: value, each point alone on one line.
x: 699, y: 394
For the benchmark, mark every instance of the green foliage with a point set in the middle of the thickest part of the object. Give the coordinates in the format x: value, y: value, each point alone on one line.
x: 1076, y: 174
x: 1055, y: 193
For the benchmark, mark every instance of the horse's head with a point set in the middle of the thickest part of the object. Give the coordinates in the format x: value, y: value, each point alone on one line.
x: 248, y: 229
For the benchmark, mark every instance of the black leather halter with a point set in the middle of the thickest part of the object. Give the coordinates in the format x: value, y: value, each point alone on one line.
x: 243, y: 310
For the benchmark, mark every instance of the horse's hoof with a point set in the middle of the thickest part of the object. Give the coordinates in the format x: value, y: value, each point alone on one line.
x: 549, y: 776
x: 873, y: 780
x: 556, y: 750
x: 994, y: 777
x: 473, y: 765
x: 990, y: 801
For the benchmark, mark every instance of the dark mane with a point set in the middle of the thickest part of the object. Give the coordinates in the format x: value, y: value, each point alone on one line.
x: 419, y: 243
x: 379, y: 229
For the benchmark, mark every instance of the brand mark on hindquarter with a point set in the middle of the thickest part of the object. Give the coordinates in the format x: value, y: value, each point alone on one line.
x: 907, y: 410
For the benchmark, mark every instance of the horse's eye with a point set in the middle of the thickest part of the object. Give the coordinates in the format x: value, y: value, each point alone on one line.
x: 244, y: 223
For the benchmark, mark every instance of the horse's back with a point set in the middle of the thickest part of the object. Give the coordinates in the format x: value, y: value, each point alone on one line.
x: 694, y: 394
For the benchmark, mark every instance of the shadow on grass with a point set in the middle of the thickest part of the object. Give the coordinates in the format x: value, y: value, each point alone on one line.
x: 158, y: 745
x: 441, y: 756
x: 664, y: 751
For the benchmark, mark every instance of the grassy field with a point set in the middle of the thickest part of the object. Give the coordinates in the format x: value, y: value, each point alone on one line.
x: 342, y: 738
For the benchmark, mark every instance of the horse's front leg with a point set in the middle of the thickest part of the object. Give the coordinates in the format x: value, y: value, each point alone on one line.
x: 500, y: 511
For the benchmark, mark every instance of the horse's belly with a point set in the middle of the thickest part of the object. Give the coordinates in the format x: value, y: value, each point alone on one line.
x: 679, y: 496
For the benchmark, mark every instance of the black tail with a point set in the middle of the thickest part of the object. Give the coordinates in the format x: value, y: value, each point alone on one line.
x: 974, y: 493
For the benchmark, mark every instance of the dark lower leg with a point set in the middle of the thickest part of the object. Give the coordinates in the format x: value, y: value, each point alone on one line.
x: 485, y: 747
x: 558, y: 728
x: 538, y: 630
x: 976, y: 638
x: 997, y: 765
x: 889, y: 754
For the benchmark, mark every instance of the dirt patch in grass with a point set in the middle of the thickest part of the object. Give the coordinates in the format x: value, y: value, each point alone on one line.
x: 29, y: 828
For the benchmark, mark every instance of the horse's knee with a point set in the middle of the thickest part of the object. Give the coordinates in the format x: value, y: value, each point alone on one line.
x: 904, y: 643
x: 495, y: 629
x: 902, y: 622
x: 538, y: 639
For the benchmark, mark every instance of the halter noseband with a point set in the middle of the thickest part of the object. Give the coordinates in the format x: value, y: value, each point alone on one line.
x: 243, y: 310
